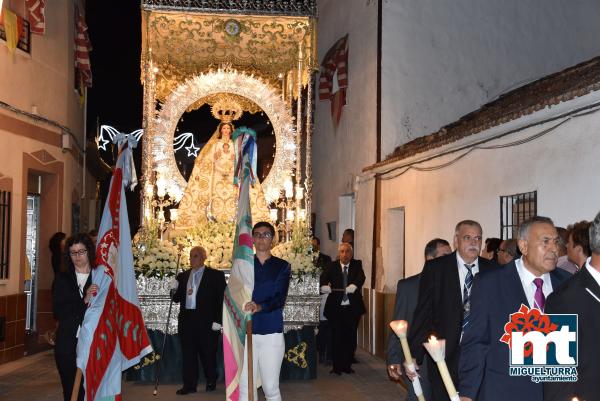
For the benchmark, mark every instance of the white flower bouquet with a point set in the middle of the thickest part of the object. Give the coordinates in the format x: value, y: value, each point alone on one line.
x: 153, y: 257
x: 216, y: 238
x: 298, y: 251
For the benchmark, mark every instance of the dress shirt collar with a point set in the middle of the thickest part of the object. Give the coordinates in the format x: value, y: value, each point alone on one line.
x: 527, y: 278
x: 462, y: 263
x: 592, y: 270
x: 344, y: 265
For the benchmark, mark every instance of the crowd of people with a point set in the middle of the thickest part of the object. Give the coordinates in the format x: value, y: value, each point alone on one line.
x: 467, y: 296
x: 464, y: 296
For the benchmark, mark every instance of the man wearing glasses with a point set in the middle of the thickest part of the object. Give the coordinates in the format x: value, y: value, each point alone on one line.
x: 271, y: 281
x: 443, y: 306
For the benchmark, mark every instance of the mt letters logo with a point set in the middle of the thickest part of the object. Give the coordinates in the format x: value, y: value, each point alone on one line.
x: 542, y: 346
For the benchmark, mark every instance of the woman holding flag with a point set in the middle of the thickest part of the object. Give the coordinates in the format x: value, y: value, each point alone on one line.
x: 70, y: 293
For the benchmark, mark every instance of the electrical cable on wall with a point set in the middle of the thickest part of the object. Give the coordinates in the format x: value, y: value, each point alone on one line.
x: 591, y: 109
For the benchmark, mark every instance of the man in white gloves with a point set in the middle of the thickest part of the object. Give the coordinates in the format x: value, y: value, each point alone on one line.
x: 343, y: 280
x: 199, y: 292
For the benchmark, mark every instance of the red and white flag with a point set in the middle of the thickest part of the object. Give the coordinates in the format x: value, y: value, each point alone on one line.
x: 36, y: 15
x: 334, y: 75
x: 83, y: 46
x: 113, y: 336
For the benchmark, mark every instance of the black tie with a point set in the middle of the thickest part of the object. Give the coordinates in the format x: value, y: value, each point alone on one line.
x: 345, y: 298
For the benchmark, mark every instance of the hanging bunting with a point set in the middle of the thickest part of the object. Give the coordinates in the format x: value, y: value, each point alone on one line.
x: 36, y: 15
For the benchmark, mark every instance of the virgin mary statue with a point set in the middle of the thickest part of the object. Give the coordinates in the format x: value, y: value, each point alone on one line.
x: 210, y: 194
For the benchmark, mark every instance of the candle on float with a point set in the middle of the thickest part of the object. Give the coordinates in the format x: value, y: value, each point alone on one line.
x: 437, y: 350
x: 400, y: 327
x: 299, y: 192
x: 273, y: 214
x: 289, y: 188
x: 173, y: 212
x: 302, y: 215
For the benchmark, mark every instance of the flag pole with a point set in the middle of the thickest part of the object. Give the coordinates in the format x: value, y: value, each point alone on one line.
x: 250, y: 361
x: 162, y: 351
x: 76, y: 385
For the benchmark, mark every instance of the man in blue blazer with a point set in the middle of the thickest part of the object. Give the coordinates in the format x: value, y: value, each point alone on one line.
x: 484, y: 360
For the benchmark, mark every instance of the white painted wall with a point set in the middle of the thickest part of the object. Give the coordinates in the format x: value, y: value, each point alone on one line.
x: 339, y: 156
x: 45, y: 78
x: 444, y: 59
x: 561, y: 165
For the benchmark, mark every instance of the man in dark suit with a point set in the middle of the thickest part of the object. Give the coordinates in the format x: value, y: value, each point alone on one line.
x: 444, y: 302
x: 199, y: 292
x: 581, y: 295
x: 343, y: 280
x: 407, y: 293
x: 484, y: 359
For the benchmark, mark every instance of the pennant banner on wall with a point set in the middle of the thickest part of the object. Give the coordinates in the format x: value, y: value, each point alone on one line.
x: 13, y: 26
x: 36, y: 15
x: 334, y: 75
x: 83, y: 46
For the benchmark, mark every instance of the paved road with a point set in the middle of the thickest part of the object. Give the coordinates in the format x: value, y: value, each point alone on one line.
x: 34, y: 378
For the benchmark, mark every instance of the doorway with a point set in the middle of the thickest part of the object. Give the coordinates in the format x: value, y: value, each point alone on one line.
x: 32, y: 236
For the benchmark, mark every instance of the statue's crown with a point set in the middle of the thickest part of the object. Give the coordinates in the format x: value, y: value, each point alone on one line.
x: 226, y: 109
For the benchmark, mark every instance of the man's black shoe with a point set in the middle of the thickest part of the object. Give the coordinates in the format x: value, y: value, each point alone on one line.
x: 211, y: 386
x: 349, y: 371
x: 335, y: 372
x: 184, y: 391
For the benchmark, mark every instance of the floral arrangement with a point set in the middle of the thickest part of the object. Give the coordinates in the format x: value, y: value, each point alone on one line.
x: 153, y: 257
x: 216, y: 237
x: 158, y: 258
x: 298, y: 251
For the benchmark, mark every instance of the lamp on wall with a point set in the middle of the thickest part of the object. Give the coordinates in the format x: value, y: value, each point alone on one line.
x: 66, y: 141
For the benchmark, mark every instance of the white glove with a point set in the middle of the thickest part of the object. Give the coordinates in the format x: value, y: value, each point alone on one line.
x: 216, y: 326
x: 325, y: 289
x: 351, y: 288
x: 174, y: 284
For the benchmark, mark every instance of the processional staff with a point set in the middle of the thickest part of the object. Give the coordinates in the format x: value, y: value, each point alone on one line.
x: 162, y: 351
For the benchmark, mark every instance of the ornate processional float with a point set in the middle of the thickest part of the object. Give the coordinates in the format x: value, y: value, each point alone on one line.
x: 239, y: 58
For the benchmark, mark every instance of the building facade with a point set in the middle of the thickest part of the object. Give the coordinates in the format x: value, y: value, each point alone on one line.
x: 414, y: 69
x: 42, y: 178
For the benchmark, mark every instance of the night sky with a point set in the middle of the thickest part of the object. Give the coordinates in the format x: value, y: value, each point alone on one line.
x: 115, y: 98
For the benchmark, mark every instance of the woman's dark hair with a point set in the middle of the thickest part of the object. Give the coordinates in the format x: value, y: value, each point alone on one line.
x: 221, y: 126
x: 56, y: 251
x: 86, y: 240
x: 54, y: 243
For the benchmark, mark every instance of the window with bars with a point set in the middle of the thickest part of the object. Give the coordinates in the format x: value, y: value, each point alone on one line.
x: 5, y: 211
x: 515, y: 209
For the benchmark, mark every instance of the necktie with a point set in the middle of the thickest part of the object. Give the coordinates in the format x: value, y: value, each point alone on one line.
x: 467, y: 295
x: 539, y: 298
x: 345, y: 298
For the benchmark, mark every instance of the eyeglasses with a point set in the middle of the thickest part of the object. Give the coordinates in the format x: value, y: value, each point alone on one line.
x: 78, y: 253
x: 263, y: 235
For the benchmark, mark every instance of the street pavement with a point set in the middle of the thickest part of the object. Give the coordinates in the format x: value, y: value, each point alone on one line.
x: 34, y: 378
